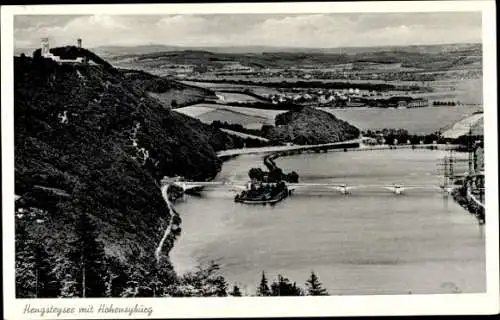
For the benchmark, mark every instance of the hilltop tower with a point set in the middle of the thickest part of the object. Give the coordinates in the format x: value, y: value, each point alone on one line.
x: 45, y: 46
x: 79, y: 42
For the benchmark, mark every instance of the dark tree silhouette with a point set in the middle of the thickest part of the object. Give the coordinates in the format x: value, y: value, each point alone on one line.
x: 314, y: 286
x: 292, y: 177
x: 256, y: 173
x: 86, y: 257
x: 263, y: 289
x: 276, y: 175
x: 236, y: 291
x: 283, y: 287
x: 33, y: 272
x: 174, y: 104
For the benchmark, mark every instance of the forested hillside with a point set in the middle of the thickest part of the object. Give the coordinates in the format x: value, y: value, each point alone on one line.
x: 169, y: 92
x: 90, y: 149
x: 307, y: 125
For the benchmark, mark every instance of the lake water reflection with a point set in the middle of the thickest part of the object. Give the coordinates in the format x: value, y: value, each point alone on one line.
x: 369, y: 242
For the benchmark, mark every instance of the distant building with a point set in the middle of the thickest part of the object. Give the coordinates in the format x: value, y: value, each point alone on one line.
x: 45, y: 47
x: 45, y: 52
x: 79, y: 42
x: 370, y: 141
x: 418, y: 103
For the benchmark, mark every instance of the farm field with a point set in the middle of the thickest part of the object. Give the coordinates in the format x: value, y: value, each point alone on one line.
x: 260, y: 90
x: 180, y: 96
x: 231, y: 97
x: 467, y: 91
x: 247, y: 121
x: 213, y: 85
x: 195, y: 111
x: 416, y: 120
x: 249, y: 118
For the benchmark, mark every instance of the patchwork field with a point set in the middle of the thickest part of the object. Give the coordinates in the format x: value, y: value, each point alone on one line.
x: 260, y: 90
x: 213, y: 85
x: 247, y: 121
x: 250, y: 118
x: 180, y: 96
x: 416, y: 121
x: 231, y: 97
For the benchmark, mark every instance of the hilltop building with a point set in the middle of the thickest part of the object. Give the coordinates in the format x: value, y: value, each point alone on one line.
x: 45, y: 51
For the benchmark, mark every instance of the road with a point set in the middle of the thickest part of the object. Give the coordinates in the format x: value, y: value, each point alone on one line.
x: 362, y: 147
x: 244, y: 135
x: 272, y: 149
x: 159, y: 248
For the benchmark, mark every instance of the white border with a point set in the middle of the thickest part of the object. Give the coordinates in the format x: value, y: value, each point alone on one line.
x: 435, y: 304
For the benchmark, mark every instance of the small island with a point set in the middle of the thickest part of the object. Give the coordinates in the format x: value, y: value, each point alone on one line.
x: 267, y: 186
x: 262, y: 193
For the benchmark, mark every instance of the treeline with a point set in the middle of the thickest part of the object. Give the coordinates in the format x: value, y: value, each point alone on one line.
x: 94, y: 228
x: 266, y: 105
x: 392, y: 136
x: 282, y: 286
x: 247, y: 92
x: 85, y: 271
x: 401, y: 136
x: 235, y: 127
x: 306, y: 84
x: 152, y: 83
x: 274, y: 175
x: 82, y: 271
x: 240, y: 142
x: 444, y: 103
x: 460, y: 196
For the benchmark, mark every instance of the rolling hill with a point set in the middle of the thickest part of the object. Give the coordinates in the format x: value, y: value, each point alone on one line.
x: 90, y: 149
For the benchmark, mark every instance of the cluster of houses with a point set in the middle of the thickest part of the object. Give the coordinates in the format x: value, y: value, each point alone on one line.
x: 352, y: 97
x: 321, y: 96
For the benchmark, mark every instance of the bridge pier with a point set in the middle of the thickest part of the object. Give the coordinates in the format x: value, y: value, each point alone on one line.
x: 343, y: 190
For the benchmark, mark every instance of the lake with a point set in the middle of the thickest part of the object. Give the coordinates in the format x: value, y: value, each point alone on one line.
x: 416, y: 120
x: 368, y: 242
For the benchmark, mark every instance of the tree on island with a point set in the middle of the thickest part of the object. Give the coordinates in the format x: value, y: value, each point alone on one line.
x: 276, y: 175
x: 292, y: 177
x: 263, y: 289
x: 314, y: 286
x: 256, y: 174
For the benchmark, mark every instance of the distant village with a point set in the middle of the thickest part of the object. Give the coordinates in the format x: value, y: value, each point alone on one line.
x: 352, y: 97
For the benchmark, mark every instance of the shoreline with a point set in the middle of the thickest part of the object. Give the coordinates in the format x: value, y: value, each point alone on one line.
x: 186, y: 260
x: 271, y: 156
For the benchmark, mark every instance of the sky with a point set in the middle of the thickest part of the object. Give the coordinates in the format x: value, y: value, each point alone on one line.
x: 298, y: 30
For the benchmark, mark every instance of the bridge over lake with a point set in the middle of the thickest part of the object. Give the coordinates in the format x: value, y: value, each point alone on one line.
x: 342, y: 188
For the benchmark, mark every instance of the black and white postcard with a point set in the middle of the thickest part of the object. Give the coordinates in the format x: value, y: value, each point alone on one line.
x: 249, y: 160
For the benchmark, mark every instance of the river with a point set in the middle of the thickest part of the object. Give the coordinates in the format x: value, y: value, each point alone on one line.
x: 369, y: 242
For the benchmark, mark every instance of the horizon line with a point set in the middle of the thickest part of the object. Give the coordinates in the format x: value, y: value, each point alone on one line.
x: 268, y: 46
